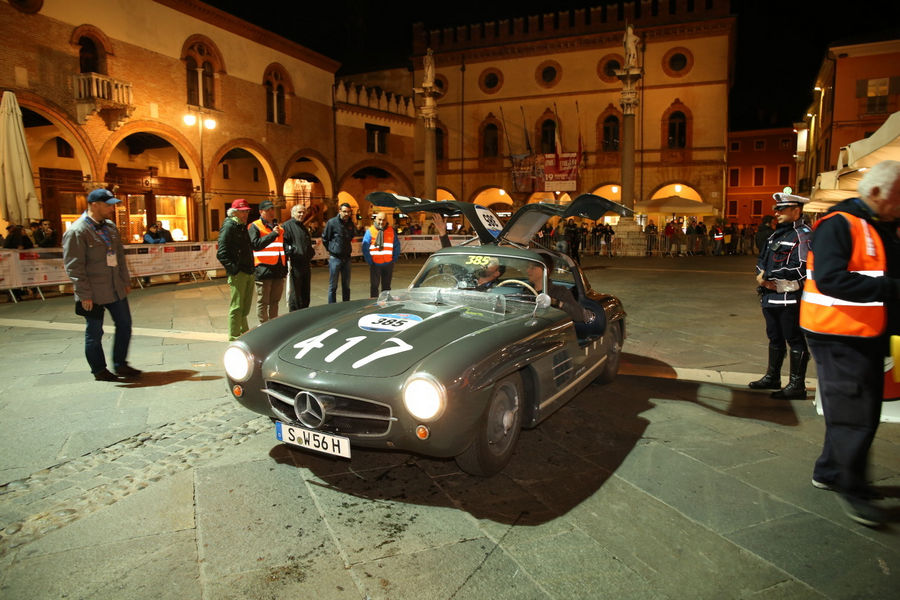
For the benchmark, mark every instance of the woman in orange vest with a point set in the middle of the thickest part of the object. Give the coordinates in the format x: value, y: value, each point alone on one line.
x: 380, y: 248
x: 848, y: 310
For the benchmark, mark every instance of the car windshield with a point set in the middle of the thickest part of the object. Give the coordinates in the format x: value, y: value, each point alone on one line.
x: 481, y: 273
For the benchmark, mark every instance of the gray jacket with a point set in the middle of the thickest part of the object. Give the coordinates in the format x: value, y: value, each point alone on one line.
x: 84, y: 256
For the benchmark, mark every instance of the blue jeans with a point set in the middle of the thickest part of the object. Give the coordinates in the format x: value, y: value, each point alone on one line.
x: 336, y: 267
x: 93, y: 336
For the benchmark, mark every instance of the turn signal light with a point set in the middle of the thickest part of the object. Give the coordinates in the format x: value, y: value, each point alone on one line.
x: 237, y: 391
x: 422, y: 432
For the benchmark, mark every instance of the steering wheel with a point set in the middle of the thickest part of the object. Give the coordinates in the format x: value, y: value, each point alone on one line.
x: 438, y: 279
x: 518, y: 282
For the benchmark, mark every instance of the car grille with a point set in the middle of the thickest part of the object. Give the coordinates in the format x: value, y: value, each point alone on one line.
x: 343, y: 415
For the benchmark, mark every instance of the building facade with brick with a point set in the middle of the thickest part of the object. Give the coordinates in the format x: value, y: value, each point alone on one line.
x: 104, y: 87
x: 547, y: 83
x: 760, y: 163
x: 857, y: 88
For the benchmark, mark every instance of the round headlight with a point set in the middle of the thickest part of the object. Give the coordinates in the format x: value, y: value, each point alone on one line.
x: 424, y: 397
x: 238, y: 363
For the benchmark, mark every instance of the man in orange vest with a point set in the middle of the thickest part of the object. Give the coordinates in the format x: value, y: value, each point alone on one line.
x: 848, y: 310
x: 269, y: 262
x: 380, y: 248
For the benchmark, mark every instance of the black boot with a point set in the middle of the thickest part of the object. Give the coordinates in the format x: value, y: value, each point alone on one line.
x: 796, y: 387
x: 772, y: 379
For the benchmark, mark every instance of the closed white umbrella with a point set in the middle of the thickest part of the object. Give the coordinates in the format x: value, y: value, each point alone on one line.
x: 18, y: 200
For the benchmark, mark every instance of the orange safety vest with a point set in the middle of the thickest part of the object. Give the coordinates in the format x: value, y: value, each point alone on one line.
x: 820, y: 313
x: 272, y: 254
x: 386, y: 254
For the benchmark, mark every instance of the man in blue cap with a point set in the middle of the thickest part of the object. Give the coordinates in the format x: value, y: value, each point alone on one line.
x: 95, y: 262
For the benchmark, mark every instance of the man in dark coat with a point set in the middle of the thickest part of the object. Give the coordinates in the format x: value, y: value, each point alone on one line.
x: 236, y: 256
x: 339, y: 232
x: 299, y: 250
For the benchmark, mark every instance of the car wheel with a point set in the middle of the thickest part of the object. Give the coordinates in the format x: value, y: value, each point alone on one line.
x: 497, y: 434
x: 613, y: 355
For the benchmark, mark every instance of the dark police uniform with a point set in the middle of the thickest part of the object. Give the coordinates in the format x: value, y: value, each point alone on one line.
x: 783, y: 260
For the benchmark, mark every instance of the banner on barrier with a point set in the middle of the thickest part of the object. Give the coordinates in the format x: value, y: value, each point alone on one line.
x: 44, y: 266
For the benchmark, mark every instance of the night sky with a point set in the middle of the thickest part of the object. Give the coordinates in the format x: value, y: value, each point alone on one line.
x: 780, y: 43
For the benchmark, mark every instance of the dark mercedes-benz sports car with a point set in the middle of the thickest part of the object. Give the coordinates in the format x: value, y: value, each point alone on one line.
x: 454, y: 365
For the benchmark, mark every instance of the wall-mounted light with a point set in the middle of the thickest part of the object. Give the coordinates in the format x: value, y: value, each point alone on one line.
x: 678, y: 188
x: 615, y: 189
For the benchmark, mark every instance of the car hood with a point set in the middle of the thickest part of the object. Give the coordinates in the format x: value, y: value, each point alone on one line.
x: 386, y: 338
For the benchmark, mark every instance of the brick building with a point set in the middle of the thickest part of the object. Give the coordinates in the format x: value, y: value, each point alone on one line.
x: 517, y: 85
x: 760, y: 163
x: 105, y: 85
x: 856, y: 89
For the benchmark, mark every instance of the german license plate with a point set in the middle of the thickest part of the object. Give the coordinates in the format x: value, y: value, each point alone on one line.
x: 313, y: 440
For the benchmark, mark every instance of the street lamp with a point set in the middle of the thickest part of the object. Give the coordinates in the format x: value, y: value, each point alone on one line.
x: 202, y: 123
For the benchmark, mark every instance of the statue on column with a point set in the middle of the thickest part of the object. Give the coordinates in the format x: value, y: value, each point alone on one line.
x: 428, y: 81
x: 631, y: 43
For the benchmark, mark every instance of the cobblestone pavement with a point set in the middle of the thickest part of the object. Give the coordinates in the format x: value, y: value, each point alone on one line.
x: 673, y: 482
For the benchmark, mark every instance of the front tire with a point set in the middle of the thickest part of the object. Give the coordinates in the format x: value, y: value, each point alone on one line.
x: 611, y: 367
x: 498, y: 432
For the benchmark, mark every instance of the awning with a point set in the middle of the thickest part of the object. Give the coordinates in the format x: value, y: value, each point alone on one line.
x: 674, y: 205
x: 833, y: 186
x: 882, y: 145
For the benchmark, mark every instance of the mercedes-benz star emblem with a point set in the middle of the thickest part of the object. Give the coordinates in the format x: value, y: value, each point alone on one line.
x: 309, y: 409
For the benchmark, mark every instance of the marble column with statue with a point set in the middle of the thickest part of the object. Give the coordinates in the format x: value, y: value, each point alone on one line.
x: 633, y: 242
x: 428, y: 111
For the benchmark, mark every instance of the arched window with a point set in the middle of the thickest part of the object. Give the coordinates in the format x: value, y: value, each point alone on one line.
x: 200, y: 64
x: 88, y: 56
x: 278, y: 87
x: 611, y: 134
x: 677, y: 137
x: 490, y: 145
x: 548, y: 136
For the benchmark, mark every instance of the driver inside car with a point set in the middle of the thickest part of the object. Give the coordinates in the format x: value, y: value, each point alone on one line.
x: 488, y: 276
x: 560, y: 296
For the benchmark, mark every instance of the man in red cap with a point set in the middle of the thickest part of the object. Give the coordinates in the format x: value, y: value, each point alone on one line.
x: 236, y: 256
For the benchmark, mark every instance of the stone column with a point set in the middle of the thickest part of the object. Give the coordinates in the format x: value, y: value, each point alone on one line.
x: 428, y: 112
x: 628, y: 231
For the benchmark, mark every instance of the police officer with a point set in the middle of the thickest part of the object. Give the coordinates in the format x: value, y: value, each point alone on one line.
x: 781, y: 270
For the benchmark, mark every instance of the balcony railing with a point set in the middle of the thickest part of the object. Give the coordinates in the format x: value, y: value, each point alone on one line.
x: 110, y: 98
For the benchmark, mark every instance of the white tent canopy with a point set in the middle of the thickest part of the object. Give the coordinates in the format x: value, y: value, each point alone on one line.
x: 674, y: 205
x: 833, y: 186
x: 882, y: 145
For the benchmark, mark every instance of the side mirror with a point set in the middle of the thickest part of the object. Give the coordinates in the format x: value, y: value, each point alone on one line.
x: 542, y: 300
